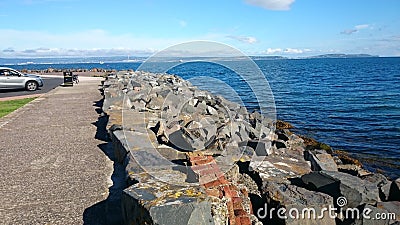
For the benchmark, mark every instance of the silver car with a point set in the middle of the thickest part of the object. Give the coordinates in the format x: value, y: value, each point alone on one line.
x: 13, y: 79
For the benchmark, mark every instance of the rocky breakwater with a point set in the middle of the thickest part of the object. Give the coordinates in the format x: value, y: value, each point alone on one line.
x: 195, y: 158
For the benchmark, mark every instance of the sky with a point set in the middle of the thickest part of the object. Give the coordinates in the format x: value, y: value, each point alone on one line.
x: 292, y: 28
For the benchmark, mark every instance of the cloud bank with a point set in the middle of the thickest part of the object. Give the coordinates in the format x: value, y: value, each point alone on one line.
x: 90, y: 42
x: 271, y: 51
x: 61, y: 52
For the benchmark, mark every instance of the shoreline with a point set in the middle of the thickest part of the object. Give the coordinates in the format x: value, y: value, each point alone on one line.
x: 208, y: 164
x: 98, y: 72
x: 369, y: 160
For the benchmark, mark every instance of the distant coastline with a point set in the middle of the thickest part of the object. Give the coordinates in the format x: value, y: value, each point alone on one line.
x: 139, y: 59
x: 324, y: 56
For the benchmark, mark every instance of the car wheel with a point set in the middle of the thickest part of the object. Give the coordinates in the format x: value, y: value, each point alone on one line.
x: 31, y: 86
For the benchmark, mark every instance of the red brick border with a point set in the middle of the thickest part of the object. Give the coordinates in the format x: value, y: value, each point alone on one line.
x: 216, y: 185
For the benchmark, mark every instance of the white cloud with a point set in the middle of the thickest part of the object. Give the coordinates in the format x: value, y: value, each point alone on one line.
x: 293, y: 51
x: 244, y: 39
x: 270, y: 51
x: 355, y: 29
x: 361, y: 26
x: 272, y: 4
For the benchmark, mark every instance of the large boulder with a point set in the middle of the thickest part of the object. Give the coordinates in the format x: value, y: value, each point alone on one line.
x: 301, y: 205
x: 159, y: 204
x: 320, y: 160
x: 391, y: 207
x: 261, y: 148
x: 337, y: 184
x: 369, y: 215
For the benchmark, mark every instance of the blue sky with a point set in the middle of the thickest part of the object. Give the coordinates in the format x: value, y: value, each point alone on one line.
x: 294, y: 28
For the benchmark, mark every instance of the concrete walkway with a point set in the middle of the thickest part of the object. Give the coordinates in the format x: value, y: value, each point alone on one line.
x: 53, y: 169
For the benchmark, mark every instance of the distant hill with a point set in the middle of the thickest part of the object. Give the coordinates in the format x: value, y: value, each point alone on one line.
x: 267, y: 57
x: 343, y: 56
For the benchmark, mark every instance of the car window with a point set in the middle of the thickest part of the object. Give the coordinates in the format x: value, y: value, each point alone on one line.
x: 4, y: 72
x: 14, y: 73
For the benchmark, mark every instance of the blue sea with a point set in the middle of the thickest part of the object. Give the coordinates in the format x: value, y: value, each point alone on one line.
x: 352, y: 104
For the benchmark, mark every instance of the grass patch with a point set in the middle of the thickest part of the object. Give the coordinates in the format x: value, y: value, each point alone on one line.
x: 7, y: 107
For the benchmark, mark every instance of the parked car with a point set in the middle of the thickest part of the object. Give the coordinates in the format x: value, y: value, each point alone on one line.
x: 13, y: 79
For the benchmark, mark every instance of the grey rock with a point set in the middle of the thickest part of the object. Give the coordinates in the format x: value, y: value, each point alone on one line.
x: 119, y: 145
x: 337, y: 184
x: 198, y: 133
x: 193, y: 101
x: 279, y: 144
x: 381, y: 182
x: 384, y: 191
x: 164, y: 92
x: 299, y: 199
x: 376, y: 178
x: 211, y: 110
x: 320, y: 161
x: 254, y: 118
x: 252, y: 132
x: 261, y: 148
x: 353, y: 169
x: 189, y: 213
x: 115, y: 127
x: 372, y: 213
x: 188, y: 109
x: 279, y: 168
x: 157, y: 203
x: 394, y: 194
x: 178, y: 139
x: 295, y: 141
x: 282, y: 135
x: 237, y: 138
x: 201, y: 107
x: 392, y: 207
x: 172, y: 100
x: 135, y: 84
x: 239, y: 131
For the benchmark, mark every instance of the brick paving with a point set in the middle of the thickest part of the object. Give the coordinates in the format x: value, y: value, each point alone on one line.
x: 216, y: 185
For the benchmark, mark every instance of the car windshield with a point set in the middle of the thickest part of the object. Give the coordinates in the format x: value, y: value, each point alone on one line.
x: 14, y: 73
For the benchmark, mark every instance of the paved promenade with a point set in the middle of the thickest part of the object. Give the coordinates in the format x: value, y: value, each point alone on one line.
x: 53, y: 169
